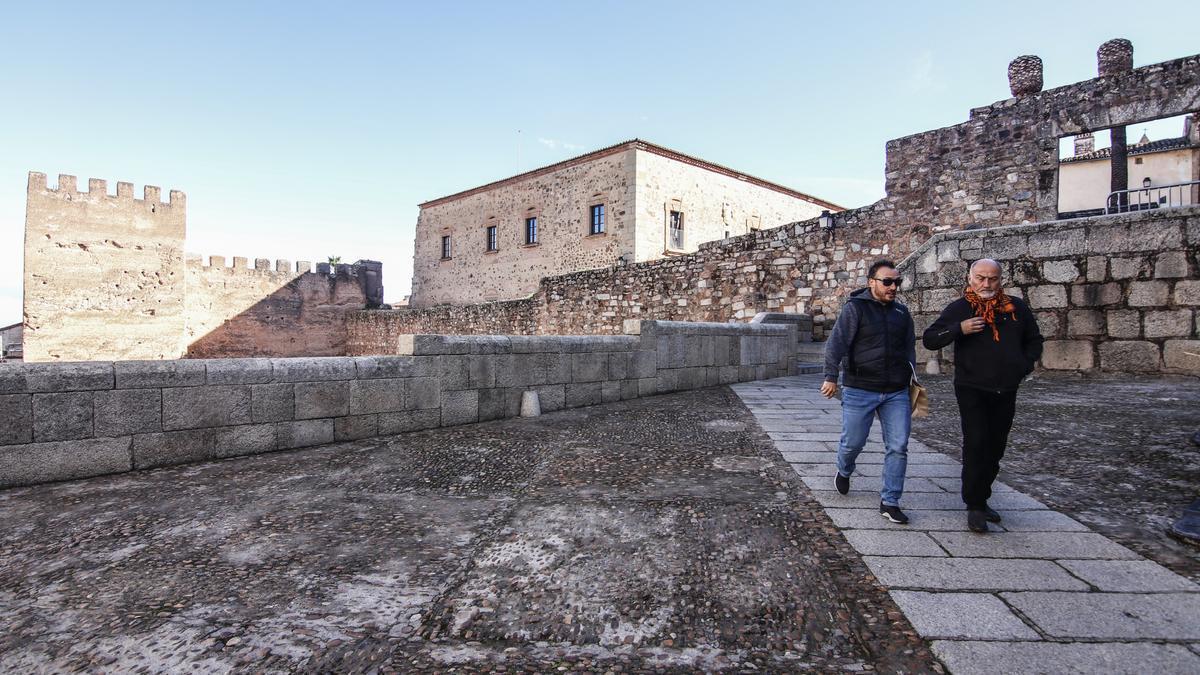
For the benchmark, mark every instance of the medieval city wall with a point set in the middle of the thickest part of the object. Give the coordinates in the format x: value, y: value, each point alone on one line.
x: 714, y: 205
x: 559, y: 199
x: 268, y: 310
x: 61, y: 421
x: 1109, y: 293
x: 104, y: 274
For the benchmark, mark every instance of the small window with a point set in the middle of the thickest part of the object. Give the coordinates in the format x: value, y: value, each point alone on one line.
x: 675, y: 232
x: 1137, y: 160
x: 492, y: 244
x: 446, y: 247
x: 531, y: 230
x: 597, y: 224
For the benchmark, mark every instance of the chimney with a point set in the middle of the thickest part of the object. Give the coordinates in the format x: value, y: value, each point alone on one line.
x: 1191, y: 127
x: 1084, y: 144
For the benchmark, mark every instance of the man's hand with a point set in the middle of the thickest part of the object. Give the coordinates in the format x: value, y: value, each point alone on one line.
x: 828, y: 389
x: 973, y: 325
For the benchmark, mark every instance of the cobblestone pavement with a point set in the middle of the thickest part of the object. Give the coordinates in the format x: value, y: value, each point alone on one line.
x: 1043, y: 593
x: 664, y: 534
x: 1113, y: 451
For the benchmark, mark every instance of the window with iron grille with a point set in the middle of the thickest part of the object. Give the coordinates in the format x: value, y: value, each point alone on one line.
x: 445, y: 247
x: 597, y: 225
x: 531, y: 230
x: 492, y: 244
x: 675, y: 235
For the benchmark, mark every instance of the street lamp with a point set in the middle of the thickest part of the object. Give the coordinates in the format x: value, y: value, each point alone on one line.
x: 1146, y: 182
x: 825, y: 220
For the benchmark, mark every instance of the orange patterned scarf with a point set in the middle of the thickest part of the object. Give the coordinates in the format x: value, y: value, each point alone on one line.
x: 986, y: 308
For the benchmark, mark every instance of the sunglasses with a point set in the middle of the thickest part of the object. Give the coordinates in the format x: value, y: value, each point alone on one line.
x: 890, y: 281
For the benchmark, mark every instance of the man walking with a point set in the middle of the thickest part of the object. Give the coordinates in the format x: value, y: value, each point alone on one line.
x: 996, y: 344
x: 875, y: 338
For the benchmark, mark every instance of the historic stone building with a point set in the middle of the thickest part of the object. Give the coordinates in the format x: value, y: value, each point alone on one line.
x: 631, y: 202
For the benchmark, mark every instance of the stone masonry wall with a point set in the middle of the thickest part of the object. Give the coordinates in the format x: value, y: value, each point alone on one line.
x: 267, y: 310
x: 61, y: 421
x: 1110, y: 293
x: 104, y: 275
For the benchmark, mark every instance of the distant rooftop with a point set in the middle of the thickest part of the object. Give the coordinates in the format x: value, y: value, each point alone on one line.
x: 640, y: 145
x: 1139, y: 149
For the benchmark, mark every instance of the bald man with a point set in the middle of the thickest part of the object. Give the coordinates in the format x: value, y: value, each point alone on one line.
x: 996, y: 344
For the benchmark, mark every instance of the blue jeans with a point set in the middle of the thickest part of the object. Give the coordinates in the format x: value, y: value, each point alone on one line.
x: 859, y: 406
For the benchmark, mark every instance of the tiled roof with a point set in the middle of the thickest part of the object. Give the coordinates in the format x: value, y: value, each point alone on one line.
x: 1153, y: 146
x: 640, y: 145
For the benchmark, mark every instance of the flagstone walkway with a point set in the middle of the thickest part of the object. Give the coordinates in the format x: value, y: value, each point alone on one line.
x: 1041, y: 593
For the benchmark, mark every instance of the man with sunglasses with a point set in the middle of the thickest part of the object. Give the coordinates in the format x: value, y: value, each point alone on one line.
x: 873, y: 345
x: 996, y: 344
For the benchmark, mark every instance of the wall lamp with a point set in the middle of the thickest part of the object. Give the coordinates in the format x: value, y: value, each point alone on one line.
x: 1146, y: 182
x: 825, y: 220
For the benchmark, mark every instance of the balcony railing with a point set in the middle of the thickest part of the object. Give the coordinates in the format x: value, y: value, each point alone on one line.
x: 1154, y: 197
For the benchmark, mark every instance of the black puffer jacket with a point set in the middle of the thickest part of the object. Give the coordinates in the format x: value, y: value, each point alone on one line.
x: 876, y: 342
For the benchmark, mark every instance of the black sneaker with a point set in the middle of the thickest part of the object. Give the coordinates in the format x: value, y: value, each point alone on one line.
x: 842, y: 483
x: 893, y: 513
x: 977, y: 521
x: 990, y: 514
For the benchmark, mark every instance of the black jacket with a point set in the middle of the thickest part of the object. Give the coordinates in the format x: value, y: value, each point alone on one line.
x: 877, y: 342
x: 979, y: 360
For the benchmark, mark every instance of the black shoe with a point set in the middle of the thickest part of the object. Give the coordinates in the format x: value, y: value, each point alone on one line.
x: 990, y: 514
x: 842, y: 483
x: 977, y: 521
x: 893, y: 513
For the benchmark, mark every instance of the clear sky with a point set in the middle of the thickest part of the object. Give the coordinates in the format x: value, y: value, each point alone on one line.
x: 301, y: 130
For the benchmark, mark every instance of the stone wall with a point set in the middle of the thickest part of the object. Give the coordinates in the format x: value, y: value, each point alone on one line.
x: 268, y: 310
x: 104, y: 275
x: 71, y: 420
x: 1118, y: 293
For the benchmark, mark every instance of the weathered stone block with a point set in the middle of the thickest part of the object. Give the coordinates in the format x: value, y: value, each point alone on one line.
x: 952, y: 274
x: 481, y: 371
x: 629, y: 389
x: 1097, y: 269
x: 376, y: 396
x: 620, y: 365
x: 535, y: 344
x: 16, y: 419
x: 1005, y: 248
x: 490, y: 344
x: 390, y: 367
x: 355, y: 427
x: 304, y: 433
x: 670, y: 351
x: 1171, y: 265
x: 541, y: 368
x: 1128, y: 268
x: 1057, y: 243
x: 33, y: 463
x: 147, y: 374
x: 1124, y: 323
x: 1093, y: 295
x: 322, y: 399
x: 453, y: 372
x: 1187, y: 292
x: 75, y: 376
x: 431, y: 345
x: 584, y: 393
x: 947, y: 251
x: 313, y: 369
x: 1107, y: 238
x: 62, y: 417
x: 1168, y: 323
x: 171, y: 448
x: 1129, y: 356
x: 1085, y: 322
x: 1182, y: 355
x: 272, y: 402
x: 1045, y: 297
x: 1060, y: 271
x: 234, y: 371
x: 409, y: 420
x: 1049, y: 324
x: 610, y: 391
x: 244, y: 439
x: 1148, y: 293
x: 1068, y: 355
x: 460, y: 407
x: 197, y: 407
x: 422, y: 393
x: 589, y: 367
x: 552, y: 397
x: 122, y: 412
x: 493, y: 404
x: 649, y: 386
x: 936, y: 300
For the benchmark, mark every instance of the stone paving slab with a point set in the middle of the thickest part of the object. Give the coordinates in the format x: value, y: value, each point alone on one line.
x: 971, y: 574
x: 945, y: 615
x: 893, y: 542
x: 1048, y: 658
x: 1128, y: 576
x: 871, y: 484
x: 923, y: 521
x: 1049, y: 545
x: 1123, y: 616
x: 925, y: 500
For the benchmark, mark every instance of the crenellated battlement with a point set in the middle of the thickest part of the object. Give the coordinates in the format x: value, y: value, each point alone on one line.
x: 265, y: 266
x: 97, y: 191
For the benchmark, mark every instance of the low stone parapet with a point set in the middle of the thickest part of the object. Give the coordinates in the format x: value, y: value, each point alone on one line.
x: 61, y: 421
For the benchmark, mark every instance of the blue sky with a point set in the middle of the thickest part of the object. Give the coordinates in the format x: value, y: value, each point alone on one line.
x: 301, y: 130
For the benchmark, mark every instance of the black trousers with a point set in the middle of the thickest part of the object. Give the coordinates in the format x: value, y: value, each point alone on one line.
x: 987, y: 417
